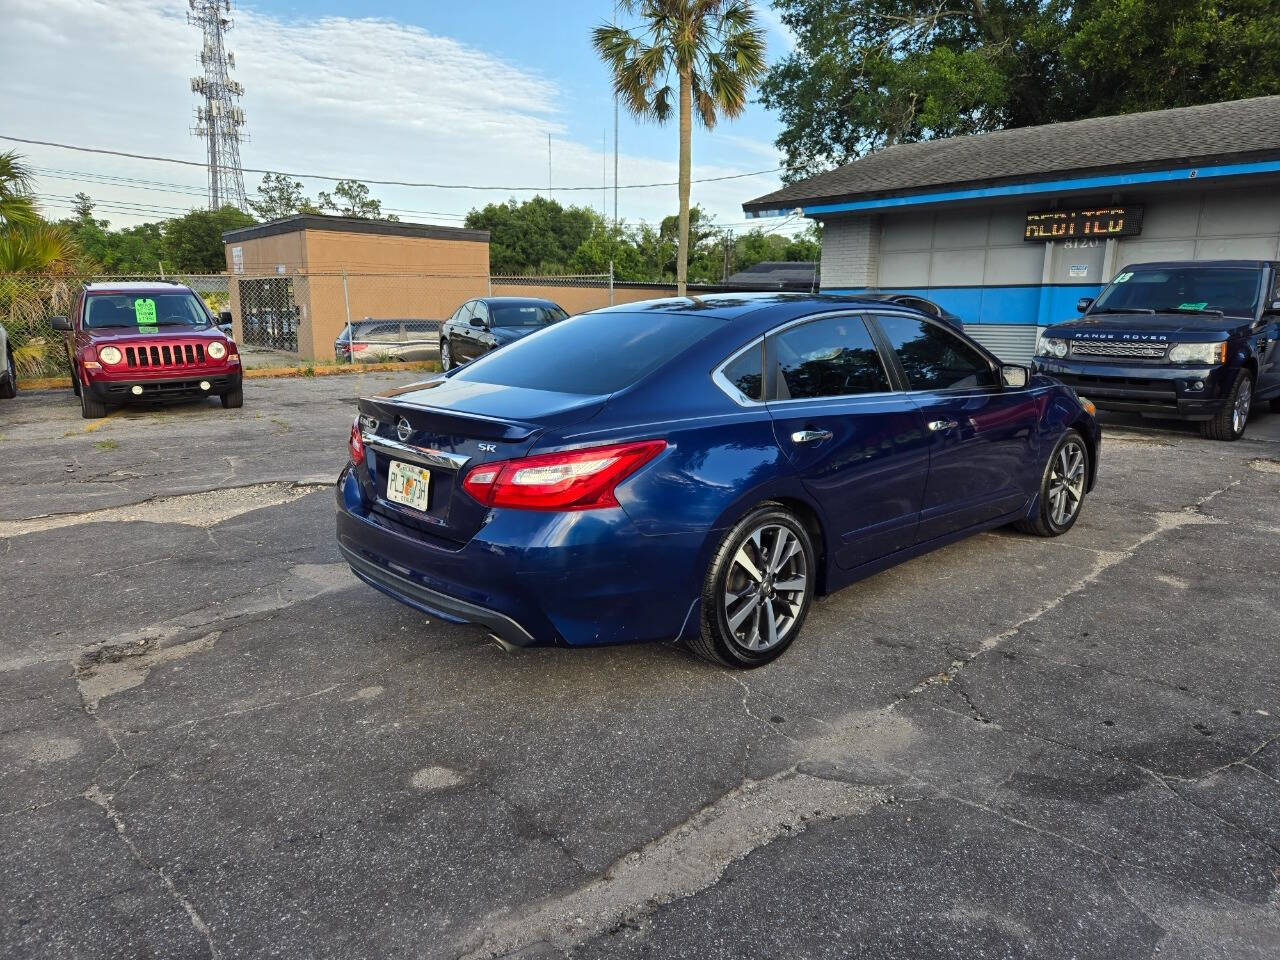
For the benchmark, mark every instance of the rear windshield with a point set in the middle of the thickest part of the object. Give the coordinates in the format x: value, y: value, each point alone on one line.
x: 1231, y: 290
x: 594, y: 353
x: 145, y: 310
x: 524, y: 314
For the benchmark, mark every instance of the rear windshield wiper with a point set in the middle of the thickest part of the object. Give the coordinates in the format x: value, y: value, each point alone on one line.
x: 1124, y: 310
x: 1190, y: 310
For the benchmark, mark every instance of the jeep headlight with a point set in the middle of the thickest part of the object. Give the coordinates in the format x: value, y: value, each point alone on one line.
x: 217, y: 350
x: 1051, y: 347
x: 1209, y: 354
x: 110, y: 355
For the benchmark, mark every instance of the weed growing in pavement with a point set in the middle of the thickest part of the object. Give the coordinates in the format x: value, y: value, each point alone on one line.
x: 106, y: 445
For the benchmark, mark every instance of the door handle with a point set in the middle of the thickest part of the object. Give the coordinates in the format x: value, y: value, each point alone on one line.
x: 940, y: 425
x: 811, y: 436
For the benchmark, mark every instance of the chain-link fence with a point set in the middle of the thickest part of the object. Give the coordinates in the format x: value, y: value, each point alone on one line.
x: 30, y: 301
x: 279, y: 318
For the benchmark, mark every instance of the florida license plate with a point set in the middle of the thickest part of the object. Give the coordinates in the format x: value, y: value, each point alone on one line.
x: 408, y: 484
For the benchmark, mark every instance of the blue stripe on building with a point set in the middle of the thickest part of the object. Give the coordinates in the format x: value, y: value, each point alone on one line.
x: 1040, y: 305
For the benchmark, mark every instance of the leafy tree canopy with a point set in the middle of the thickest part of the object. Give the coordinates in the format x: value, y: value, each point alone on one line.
x: 193, y: 243
x: 870, y: 73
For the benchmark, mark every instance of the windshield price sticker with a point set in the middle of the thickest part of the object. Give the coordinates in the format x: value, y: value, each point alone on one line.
x: 1123, y: 277
x: 144, y: 309
x: 1193, y: 306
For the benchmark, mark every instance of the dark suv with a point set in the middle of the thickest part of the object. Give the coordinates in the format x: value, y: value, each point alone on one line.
x: 1189, y: 340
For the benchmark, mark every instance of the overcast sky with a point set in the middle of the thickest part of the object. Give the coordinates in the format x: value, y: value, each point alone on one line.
x: 445, y: 92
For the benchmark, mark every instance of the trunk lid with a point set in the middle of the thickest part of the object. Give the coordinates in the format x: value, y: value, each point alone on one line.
x: 449, y: 426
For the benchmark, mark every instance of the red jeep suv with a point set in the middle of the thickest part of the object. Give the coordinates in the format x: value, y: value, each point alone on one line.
x: 147, y: 341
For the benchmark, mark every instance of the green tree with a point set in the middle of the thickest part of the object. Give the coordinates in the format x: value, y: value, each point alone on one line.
x: 351, y: 198
x: 871, y: 73
x: 280, y: 196
x: 17, y: 208
x: 193, y: 243
x: 715, y: 52
x: 536, y: 236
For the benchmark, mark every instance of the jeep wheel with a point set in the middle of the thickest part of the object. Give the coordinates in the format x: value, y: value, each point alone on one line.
x: 233, y: 399
x: 91, y: 408
x: 1229, y: 422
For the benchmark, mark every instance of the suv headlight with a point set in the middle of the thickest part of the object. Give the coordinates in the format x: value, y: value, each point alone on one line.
x: 110, y: 355
x: 1051, y: 347
x: 1209, y: 354
x: 217, y: 350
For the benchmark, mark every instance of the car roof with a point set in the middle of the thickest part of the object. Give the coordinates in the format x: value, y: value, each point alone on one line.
x: 134, y: 286
x: 518, y: 300
x: 1166, y: 264
x: 731, y: 306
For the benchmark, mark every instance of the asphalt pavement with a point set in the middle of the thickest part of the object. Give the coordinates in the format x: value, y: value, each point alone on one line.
x: 214, y: 741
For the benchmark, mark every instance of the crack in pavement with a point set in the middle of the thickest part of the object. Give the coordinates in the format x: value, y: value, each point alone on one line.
x: 203, y: 509
x: 95, y: 795
x: 691, y: 857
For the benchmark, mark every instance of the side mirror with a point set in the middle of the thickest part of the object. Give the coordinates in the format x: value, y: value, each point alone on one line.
x: 1083, y: 304
x: 224, y: 318
x: 61, y: 323
x: 1015, y: 375
x: 1272, y: 307
x: 477, y: 322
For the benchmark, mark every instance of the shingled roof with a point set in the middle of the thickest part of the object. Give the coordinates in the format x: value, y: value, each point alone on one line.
x: 1239, y: 130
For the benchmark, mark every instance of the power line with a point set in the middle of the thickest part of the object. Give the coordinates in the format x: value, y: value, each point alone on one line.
x: 380, y: 183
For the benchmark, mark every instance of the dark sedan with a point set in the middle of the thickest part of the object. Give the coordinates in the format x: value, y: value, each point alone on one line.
x: 485, y: 324
x: 700, y: 469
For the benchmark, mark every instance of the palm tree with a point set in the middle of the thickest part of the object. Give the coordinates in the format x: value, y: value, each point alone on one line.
x: 716, y: 52
x: 16, y: 206
x: 35, y: 259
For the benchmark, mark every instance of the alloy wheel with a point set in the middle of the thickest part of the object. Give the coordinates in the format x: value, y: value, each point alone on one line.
x: 446, y: 357
x: 1240, y: 410
x: 1066, y: 482
x: 764, y: 589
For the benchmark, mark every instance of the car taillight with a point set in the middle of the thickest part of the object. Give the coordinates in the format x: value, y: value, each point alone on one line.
x: 583, y: 479
x: 355, y: 445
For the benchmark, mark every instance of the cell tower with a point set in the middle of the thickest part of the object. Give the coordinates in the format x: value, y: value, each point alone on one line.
x: 218, y: 119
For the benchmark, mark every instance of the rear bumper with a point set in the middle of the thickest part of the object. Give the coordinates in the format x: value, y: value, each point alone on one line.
x: 1149, y: 390
x: 163, y: 388
x: 553, y: 579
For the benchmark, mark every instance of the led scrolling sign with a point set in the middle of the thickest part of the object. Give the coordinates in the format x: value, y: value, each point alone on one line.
x: 1093, y: 224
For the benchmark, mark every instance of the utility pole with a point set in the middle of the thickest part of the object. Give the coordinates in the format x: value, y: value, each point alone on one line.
x: 218, y: 119
x: 728, y: 247
x: 615, y: 141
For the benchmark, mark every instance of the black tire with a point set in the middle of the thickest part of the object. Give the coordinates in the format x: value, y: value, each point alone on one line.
x: 91, y: 408
x: 9, y: 382
x: 1048, y: 520
x: 446, y: 359
x: 1230, y: 421
x: 233, y: 399
x: 758, y: 602
x: 75, y: 381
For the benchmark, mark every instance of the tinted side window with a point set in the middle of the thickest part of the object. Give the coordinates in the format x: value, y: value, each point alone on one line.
x: 833, y: 357
x: 745, y: 373
x: 935, y: 359
x: 482, y: 311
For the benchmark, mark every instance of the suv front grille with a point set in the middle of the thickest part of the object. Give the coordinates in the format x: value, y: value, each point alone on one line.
x: 1118, y: 348
x: 164, y: 355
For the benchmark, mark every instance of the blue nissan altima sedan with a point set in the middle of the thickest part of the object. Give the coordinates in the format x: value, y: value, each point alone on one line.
x: 699, y: 469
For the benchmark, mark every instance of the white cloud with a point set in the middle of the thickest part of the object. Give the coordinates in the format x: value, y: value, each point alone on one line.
x: 358, y: 97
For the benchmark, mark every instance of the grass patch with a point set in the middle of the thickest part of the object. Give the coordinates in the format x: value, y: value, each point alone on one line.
x: 106, y: 445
